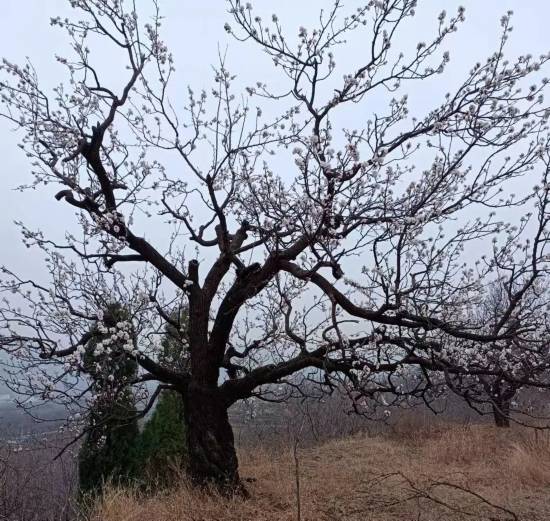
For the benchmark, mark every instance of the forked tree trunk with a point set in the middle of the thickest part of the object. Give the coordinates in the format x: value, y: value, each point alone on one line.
x: 212, y: 459
x: 501, y: 412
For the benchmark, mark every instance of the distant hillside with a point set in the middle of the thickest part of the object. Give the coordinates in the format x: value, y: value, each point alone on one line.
x: 16, y: 423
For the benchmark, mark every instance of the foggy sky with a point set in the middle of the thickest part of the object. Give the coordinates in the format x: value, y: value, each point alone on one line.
x: 194, y: 33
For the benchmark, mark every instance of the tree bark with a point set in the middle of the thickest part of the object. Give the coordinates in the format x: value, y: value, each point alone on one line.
x: 212, y: 459
x: 501, y: 413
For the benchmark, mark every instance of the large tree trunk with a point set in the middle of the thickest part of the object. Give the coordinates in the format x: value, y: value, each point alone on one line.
x: 212, y: 459
x: 501, y: 412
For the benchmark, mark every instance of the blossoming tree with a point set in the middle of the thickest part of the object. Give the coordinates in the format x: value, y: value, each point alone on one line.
x: 524, y: 356
x: 321, y: 253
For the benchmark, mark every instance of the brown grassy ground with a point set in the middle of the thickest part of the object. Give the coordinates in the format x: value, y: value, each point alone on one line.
x: 415, y: 473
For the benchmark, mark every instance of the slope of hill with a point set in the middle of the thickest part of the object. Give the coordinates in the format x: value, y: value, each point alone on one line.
x: 444, y: 474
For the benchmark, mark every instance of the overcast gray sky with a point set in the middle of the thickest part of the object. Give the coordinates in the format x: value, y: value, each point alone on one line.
x: 194, y: 32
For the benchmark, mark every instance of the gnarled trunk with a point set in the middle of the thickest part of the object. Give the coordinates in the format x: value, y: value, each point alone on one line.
x: 212, y: 459
x: 501, y: 412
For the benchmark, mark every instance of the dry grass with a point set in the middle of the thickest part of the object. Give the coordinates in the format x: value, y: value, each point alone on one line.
x: 416, y: 473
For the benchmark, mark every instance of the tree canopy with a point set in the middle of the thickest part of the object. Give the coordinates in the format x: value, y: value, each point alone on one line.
x: 303, y: 250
